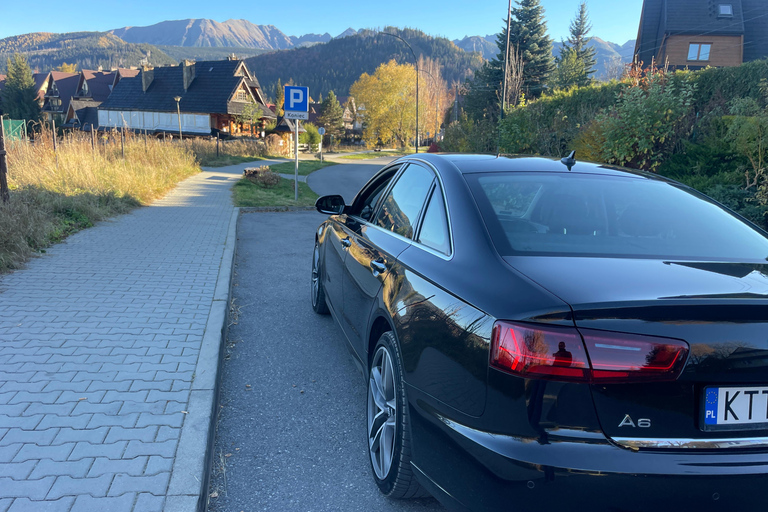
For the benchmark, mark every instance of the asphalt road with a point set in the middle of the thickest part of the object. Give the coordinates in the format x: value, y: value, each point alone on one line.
x: 291, y: 432
x: 346, y: 179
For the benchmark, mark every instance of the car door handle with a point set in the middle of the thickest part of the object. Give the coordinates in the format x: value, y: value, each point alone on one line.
x: 345, y: 242
x: 378, y: 266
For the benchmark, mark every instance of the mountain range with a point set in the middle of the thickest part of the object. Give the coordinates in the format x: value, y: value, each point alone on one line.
x: 318, y: 60
x: 210, y: 33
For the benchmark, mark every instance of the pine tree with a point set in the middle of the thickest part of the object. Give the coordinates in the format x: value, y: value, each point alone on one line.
x: 19, y: 97
x: 528, y: 37
x: 579, y: 42
x: 332, y: 116
x: 569, y: 71
x: 279, y: 99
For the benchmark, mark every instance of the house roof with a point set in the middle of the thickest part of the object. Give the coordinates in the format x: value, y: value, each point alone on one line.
x: 2, y: 82
x: 66, y: 83
x: 755, y: 29
x: 210, y: 92
x: 287, y: 125
x: 40, y: 81
x: 86, y: 111
x: 661, y: 18
x: 99, y: 83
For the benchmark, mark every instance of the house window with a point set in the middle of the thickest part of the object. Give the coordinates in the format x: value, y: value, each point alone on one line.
x: 725, y: 11
x: 241, y: 95
x: 699, y: 51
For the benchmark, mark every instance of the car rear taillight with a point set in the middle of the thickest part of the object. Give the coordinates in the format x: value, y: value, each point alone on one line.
x: 563, y: 353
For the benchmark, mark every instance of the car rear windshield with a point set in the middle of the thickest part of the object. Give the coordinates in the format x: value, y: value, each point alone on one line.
x: 612, y: 216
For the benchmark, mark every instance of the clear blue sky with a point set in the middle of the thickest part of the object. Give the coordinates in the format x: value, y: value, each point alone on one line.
x: 613, y: 20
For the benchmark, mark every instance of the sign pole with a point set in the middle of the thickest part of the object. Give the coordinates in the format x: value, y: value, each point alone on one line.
x: 4, y: 193
x: 296, y: 167
x: 296, y: 107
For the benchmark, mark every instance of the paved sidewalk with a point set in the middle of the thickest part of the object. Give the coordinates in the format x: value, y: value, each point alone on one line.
x: 109, y: 346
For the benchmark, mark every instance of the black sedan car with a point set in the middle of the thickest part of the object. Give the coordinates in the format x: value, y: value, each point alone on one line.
x: 547, y: 335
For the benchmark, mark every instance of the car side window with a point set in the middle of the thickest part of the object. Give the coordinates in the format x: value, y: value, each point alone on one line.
x: 403, y: 204
x: 366, y: 203
x: 434, y: 228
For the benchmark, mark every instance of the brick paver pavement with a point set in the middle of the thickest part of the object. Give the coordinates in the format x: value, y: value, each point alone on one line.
x: 99, y: 345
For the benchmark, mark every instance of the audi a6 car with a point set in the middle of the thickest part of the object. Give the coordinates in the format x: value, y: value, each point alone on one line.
x: 546, y: 335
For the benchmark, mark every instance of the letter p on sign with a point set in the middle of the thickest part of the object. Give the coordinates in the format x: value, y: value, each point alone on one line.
x: 296, y: 98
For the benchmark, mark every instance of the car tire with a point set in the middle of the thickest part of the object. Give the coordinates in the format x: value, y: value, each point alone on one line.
x: 316, y: 290
x: 388, y: 428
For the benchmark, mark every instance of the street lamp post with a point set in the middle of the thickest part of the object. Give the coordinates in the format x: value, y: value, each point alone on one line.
x: 437, y: 106
x: 178, y: 112
x: 417, y: 84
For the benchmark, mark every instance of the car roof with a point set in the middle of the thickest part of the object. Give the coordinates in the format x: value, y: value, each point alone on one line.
x: 478, y: 163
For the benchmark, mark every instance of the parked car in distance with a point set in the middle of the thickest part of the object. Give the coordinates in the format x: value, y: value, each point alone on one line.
x: 546, y: 335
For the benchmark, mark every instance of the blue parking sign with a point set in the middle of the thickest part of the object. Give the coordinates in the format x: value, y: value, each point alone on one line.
x: 296, y: 98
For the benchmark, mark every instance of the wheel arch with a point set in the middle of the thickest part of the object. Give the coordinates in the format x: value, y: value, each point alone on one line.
x: 379, y: 326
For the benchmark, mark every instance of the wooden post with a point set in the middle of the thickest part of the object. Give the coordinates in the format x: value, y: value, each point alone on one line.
x: 122, y: 143
x: 3, y: 165
x: 93, y: 142
x: 55, y: 151
x: 217, y: 144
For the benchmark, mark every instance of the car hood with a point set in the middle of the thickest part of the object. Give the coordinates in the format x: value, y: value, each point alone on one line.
x: 585, y: 282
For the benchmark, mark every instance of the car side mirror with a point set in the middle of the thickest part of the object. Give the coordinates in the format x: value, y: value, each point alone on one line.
x: 330, y: 205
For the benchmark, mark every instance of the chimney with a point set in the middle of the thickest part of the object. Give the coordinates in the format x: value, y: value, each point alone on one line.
x: 188, y: 71
x: 147, y: 75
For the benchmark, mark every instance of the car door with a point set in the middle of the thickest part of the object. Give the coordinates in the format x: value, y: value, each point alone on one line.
x: 341, y: 231
x: 375, y: 246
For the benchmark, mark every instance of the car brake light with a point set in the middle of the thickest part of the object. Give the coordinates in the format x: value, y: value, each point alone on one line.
x: 560, y: 353
x: 618, y: 357
x: 531, y: 351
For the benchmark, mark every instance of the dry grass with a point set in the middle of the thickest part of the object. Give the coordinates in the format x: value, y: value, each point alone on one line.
x: 52, y: 197
x: 230, y: 151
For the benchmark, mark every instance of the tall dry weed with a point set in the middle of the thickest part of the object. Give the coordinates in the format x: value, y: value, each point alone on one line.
x: 56, y: 193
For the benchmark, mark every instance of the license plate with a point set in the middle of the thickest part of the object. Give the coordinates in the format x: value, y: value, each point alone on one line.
x: 735, y: 408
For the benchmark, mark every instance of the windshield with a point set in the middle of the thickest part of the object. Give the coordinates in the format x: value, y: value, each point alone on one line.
x: 597, y: 215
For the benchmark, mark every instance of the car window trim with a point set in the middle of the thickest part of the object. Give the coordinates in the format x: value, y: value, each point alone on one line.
x: 438, y: 181
x: 431, y: 195
x: 375, y: 207
x: 447, y: 217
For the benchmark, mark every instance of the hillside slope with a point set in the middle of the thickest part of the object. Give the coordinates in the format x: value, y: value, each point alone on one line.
x: 89, y: 50
x: 336, y: 65
x: 205, y: 32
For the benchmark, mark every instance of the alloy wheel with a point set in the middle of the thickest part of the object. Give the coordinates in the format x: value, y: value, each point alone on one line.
x: 382, y: 413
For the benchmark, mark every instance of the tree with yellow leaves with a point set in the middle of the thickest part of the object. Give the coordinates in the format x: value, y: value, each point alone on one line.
x: 387, y: 102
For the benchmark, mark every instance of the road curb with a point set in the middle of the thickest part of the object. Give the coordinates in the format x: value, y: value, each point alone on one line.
x: 190, y: 472
x: 261, y: 209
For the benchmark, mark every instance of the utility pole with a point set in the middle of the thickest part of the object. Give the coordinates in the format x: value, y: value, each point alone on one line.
x: 178, y: 112
x: 506, y: 73
x: 3, y: 165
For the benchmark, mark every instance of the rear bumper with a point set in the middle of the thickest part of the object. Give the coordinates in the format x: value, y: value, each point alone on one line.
x: 468, y: 469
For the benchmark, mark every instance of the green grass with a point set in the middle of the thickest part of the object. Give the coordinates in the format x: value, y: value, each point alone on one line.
x: 377, y: 154
x: 364, y: 156
x: 225, y: 160
x: 249, y: 194
x: 305, y: 167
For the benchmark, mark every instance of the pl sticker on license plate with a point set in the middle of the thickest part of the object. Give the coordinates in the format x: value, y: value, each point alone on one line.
x: 735, y: 407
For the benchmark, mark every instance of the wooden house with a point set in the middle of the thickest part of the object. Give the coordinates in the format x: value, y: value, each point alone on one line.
x: 59, y: 89
x: 212, y: 97
x: 700, y: 33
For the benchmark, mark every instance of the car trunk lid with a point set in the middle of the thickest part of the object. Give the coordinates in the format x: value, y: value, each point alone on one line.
x: 719, y: 309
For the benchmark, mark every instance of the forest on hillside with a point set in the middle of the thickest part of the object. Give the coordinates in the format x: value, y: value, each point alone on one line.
x: 88, y: 50
x: 336, y: 65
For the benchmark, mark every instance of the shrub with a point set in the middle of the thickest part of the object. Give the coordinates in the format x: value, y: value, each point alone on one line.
x: 311, y: 137
x: 276, y: 145
x: 262, y: 176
